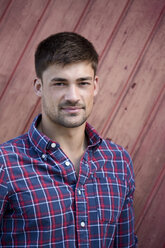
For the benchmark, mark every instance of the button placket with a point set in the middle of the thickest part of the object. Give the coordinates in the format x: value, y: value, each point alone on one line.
x: 79, y: 192
x: 81, y: 215
x: 82, y: 224
x: 44, y: 157
x: 67, y: 163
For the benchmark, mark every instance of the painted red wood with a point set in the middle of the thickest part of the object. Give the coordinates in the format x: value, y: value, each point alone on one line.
x: 121, y: 58
x: 149, y: 160
x: 17, y: 26
x: 145, y: 85
x: 4, y: 5
x: 98, y: 27
x: 152, y: 231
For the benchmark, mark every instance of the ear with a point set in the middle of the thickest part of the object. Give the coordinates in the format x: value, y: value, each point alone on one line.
x: 38, y: 87
x: 96, y: 85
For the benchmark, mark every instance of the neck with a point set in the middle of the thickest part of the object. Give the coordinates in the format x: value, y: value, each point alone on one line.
x: 72, y: 140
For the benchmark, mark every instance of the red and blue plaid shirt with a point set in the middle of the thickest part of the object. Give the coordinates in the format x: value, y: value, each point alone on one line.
x: 44, y: 204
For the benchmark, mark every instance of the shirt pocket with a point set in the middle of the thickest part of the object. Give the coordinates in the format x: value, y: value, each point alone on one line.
x: 110, y: 193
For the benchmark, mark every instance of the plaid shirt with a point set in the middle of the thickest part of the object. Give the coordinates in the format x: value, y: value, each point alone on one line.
x: 44, y: 204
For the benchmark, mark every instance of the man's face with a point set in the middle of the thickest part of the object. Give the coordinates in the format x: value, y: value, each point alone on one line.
x: 67, y: 93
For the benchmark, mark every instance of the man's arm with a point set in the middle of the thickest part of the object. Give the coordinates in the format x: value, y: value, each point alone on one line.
x: 3, y: 192
x: 125, y: 236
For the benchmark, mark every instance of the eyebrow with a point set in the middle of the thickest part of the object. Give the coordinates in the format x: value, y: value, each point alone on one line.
x: 64, y: 79
x: 84, y: 78
x: 58, y: 79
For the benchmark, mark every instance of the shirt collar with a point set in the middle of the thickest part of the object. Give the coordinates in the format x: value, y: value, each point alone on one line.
x: 93, y: 137
x: 41, y: 142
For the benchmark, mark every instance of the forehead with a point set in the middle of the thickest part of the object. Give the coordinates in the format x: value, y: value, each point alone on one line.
x: 70, y: 71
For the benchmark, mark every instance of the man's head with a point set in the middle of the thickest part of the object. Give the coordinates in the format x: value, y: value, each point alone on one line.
x: 67, y: 83
x: 63, y: 49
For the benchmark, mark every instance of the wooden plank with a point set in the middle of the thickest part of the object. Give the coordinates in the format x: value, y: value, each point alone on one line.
x: 93, y: 17
x: 4, y: 5
x: 121, y: 57
x: 149, y: 160
x: 98, y: 27
x: 149, y: 120
x: 150, y: 199
x: 16, y: 28
x: 142, y: 94
x: 19, y: 100
x: 151, y: 233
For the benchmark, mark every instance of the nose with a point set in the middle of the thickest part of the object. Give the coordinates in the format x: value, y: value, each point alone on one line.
x: 72, y: 94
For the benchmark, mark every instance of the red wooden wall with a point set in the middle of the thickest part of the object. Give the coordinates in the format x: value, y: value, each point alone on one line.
x: 130, y: 109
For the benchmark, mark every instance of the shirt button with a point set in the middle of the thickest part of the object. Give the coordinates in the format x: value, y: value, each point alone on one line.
x: 67, y: 163
x: 53, y: 145
x: 43, y: 156
x: 82, y: 224
x: 79, y: 192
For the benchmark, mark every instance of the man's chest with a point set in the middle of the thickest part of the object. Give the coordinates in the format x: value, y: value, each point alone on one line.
x: 47, y: 190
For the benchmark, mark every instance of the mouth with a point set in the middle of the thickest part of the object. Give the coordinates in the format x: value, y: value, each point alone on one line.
x: 71, y: 109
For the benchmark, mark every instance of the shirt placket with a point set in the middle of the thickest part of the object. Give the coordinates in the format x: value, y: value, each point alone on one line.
x: 81, y: 206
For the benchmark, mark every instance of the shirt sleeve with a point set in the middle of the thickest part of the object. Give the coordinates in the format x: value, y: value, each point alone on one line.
x: 125, y: 235
x: 3, y: 192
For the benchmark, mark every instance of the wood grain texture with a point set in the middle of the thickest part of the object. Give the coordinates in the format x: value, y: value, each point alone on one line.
x: 120, y: 60
x: 4, y: 5
x: 148, y: 80
x: 98, y: 27
x: 151, y: 233
x: 16, y: 29
x: 150, y: 159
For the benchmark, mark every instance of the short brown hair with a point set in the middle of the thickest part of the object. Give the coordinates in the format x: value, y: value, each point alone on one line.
x: 64, y: 48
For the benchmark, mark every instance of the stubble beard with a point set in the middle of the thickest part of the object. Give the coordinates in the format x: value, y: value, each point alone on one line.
x: 67, y: 120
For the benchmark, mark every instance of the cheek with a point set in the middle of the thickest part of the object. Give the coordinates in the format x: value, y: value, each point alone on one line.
x: 90, y: 99
x: 51, y: 97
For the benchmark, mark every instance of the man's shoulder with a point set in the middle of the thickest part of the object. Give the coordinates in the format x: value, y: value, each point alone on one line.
x: 12, y: 144
x: 114, y: 149
x: 110, y: 145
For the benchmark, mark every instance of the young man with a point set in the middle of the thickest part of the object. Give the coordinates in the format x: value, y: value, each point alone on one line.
x: 61, y: 184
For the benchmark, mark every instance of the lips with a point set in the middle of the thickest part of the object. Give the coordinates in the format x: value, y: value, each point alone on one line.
x: 70, y: 109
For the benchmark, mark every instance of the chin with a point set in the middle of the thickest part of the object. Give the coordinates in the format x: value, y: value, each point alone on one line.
x: 73, y: 124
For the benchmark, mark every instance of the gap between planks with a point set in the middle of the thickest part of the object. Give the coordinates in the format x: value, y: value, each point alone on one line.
x: 150, y: 198
x: 120, y: 98
x: 5, y: 10
x: 24, y: 50
x: 154, y: 107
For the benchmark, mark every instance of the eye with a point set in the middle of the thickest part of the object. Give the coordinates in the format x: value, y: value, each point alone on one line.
x: 58, y: 84
x: 84, y: 83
